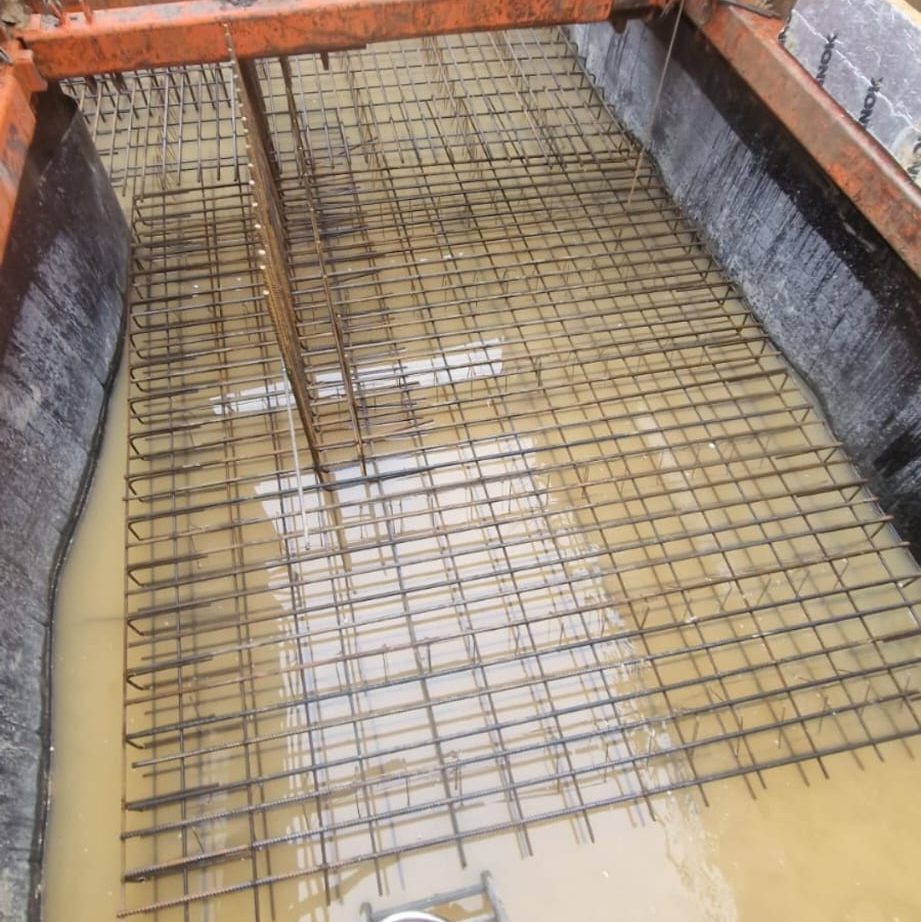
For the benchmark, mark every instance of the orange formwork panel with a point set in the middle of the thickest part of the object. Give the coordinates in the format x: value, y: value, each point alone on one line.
x: 18, y: 81
x: 852, y: 159
x: 195, y: 31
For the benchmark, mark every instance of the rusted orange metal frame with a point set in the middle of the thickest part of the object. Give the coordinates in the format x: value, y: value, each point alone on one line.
x: 855, y: 162
x: 18, y: 81
x: 193, y: 31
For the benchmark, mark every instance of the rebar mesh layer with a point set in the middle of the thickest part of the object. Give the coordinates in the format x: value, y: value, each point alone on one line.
x: 602, y: 545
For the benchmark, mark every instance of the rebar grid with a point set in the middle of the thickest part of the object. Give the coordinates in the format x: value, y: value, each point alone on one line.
x: 177, y: 127
x: 602, y: 545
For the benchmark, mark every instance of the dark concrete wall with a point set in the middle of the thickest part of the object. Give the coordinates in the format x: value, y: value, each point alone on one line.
x: 829, y: 291
x: 61, y: 305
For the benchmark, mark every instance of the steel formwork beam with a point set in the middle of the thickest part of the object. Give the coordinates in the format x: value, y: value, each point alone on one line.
x: 195, y: 31
x: 852, y: 159
x: 18, y: 81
